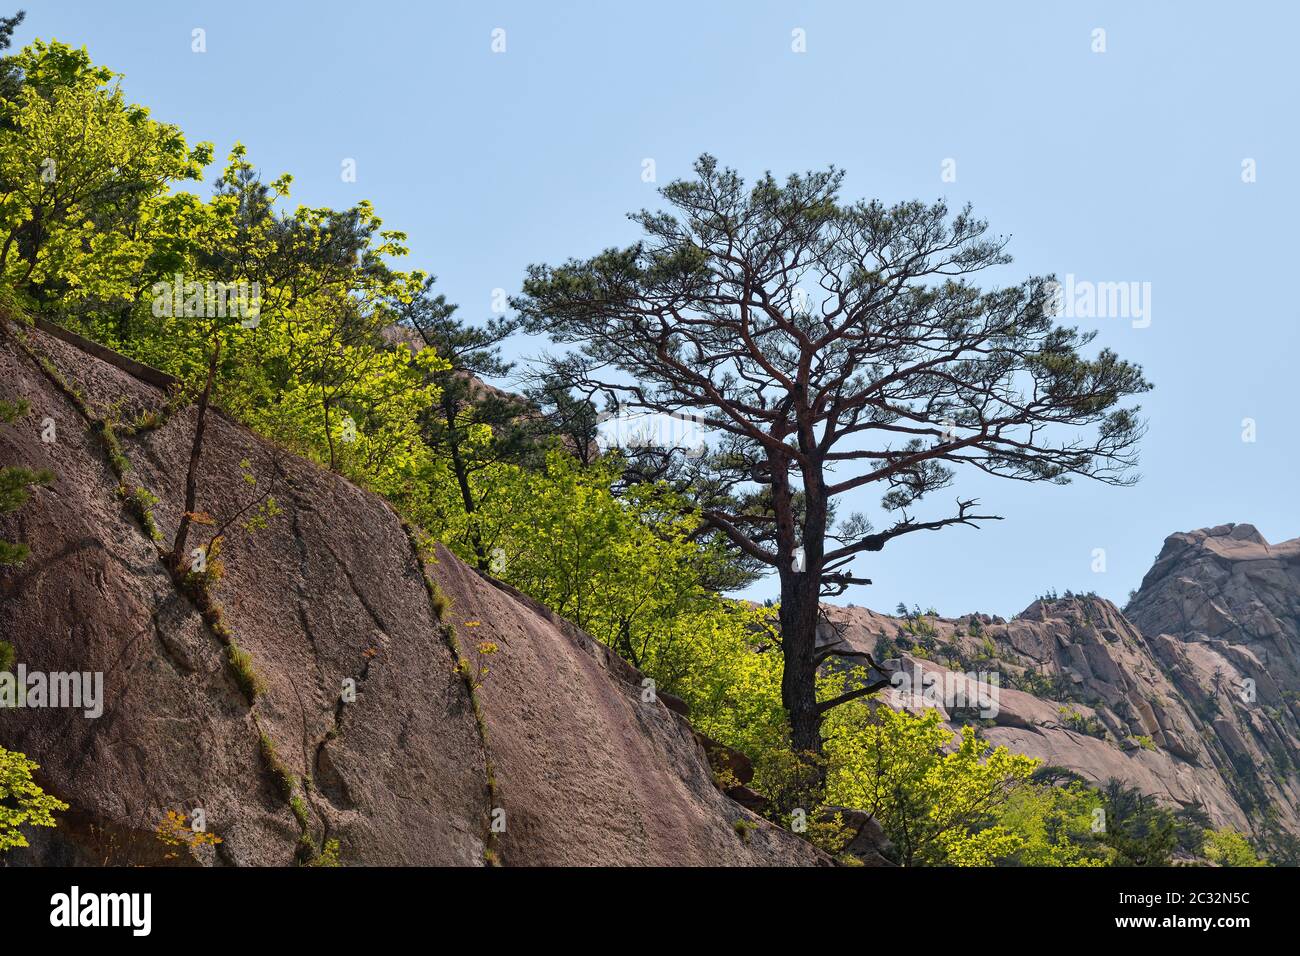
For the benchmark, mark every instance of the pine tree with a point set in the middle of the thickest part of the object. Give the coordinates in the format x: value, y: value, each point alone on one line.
x: 835, y: 346
x: 473, y: 424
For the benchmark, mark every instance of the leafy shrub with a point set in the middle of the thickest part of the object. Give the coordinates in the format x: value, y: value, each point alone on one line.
x: 139, y: 501
x: 937, y: 807
x: 1226, y: 847
x: 1083, y: 724
x: 175, y: 830
x: 328, y: 856
x: 22, y: 802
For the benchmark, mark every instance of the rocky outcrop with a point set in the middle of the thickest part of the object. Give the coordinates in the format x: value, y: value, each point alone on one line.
x: 552, y: 755
x: 1190, y: 697
x: 1221, y: 609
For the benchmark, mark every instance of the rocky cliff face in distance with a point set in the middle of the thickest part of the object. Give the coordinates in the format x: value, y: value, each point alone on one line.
x: 1221, y: 609
x: 1192, y: 695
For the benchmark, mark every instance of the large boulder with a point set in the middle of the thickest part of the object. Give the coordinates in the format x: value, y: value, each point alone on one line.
x: 864, y: 838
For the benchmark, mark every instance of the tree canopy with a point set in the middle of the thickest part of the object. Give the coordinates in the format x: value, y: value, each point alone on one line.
x: 835, y: 345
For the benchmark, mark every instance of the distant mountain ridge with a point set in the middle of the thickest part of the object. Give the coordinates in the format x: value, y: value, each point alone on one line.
x: 1191, y: 693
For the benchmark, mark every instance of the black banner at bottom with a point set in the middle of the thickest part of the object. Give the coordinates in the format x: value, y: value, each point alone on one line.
x: 131, y: 906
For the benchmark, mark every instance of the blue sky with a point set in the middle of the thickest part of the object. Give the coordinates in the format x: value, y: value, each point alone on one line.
x: 1117, y: 166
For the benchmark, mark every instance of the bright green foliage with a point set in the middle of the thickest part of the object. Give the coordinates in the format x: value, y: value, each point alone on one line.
x: 623, y: 569
x: 938, y: 807
x: 328, y: 856
x: 79, y: 166
x: 470, y: 426
x: 1055, y: 825
x: 1226, y: 847
x: 22, y: 802
x: 722, y: 660
x: 343, y: 400
x: 315, y: 372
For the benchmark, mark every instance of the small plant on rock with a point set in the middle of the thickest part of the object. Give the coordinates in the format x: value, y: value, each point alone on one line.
x: 174, y: 830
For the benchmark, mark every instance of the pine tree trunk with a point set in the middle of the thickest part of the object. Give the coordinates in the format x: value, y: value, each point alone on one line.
x: 801, y: 563
x: 799, y: 596
x: 466, y: 494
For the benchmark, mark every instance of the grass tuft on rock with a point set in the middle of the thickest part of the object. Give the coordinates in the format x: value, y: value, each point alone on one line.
x: 241, y: 668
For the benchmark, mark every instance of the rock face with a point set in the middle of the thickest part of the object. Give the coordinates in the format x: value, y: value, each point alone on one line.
x: 1191, y: 696
x: 330, y: 596
x: 1221, y: 607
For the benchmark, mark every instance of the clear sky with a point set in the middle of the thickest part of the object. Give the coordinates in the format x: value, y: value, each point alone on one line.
x: 1123, y: 165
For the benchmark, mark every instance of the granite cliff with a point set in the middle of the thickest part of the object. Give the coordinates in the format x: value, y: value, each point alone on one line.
x: 1191, y: 693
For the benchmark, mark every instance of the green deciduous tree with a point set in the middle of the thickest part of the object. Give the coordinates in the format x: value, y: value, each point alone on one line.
x: 624, y: 569
x: 937, y: 806
x: 1226, y: 847
x: 82, y: 177
x: 310, y: 358
x: 474, y: 425
x: 1054, y: 825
